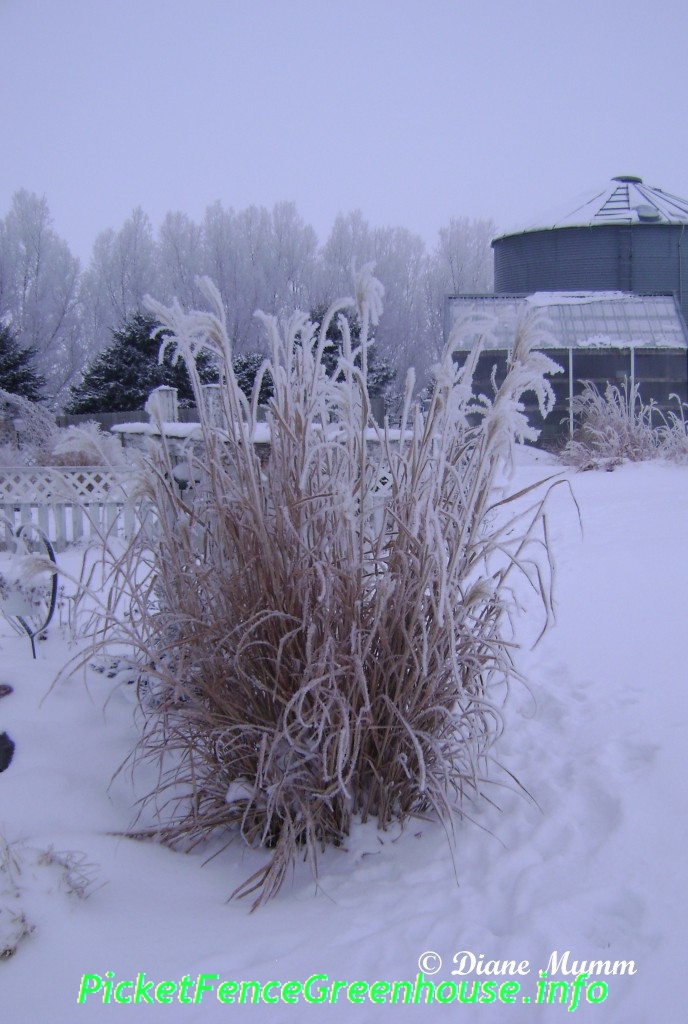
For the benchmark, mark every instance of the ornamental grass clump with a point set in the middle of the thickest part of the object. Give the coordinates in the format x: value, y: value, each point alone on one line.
x: 611, y: 427
x: 618, y: 426
x: 325, y: 631
x: 673, y: 432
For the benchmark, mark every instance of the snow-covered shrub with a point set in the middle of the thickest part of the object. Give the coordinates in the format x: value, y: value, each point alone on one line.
x: 83, y: 445
x: 30, y: 425
x: 327, y: 634
x: 11, y: 456
x: 40, y: 442
x: 618, y: 426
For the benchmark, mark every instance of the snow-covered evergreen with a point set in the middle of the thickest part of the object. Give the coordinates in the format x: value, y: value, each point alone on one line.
x: 122, y: 377
x: 18, y: 374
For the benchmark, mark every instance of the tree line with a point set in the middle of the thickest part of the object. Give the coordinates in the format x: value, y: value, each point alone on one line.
x: 61, y: 317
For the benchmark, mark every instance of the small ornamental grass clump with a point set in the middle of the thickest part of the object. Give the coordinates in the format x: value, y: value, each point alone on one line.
x: 19, y: 869
x: 618, y: 426
x: 326, y: 632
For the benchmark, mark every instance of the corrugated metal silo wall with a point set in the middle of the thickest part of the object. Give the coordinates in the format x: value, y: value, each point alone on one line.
x: 635, y: 258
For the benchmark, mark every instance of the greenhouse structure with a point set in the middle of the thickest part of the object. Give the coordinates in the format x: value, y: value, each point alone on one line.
x: 610, y: 274
x: 602, y: 337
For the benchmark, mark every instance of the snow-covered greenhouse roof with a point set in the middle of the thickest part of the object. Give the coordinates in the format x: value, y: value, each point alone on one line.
x: 626, y: 199
x: 576, y: 319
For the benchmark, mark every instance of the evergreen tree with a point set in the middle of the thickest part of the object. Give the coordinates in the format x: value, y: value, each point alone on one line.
x: 17, y: 373
x: 122, y: 377
x: 245, y: 369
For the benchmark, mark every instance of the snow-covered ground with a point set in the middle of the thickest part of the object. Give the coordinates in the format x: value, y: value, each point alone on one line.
x: 595, y: 863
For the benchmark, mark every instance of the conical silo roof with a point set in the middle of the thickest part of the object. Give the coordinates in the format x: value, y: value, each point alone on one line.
x: 626, y: 199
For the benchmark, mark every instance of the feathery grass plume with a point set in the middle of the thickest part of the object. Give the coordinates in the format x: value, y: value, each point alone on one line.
x: 673, y: 432
x: 84, y: 445
x: 325, y: 633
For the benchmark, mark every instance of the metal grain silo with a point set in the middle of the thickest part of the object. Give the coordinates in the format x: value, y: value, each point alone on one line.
x: 626, y: 237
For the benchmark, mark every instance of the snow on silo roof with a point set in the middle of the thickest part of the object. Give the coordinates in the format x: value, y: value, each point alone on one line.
x: 625, y: 200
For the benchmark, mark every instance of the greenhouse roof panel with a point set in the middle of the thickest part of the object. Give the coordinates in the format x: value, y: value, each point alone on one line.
x: 573, y: 319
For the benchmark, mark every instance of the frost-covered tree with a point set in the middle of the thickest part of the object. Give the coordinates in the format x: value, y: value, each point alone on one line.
x: 400, y: 264
x: 348, y: 245
x: 234, y: 254
x: 38, y: 290
x: 293, y: 250
x: 122, y: 271
x: 461, y: 263
x: 261, y: 259
x: 122, y: 377
x: 180, y: 258
x: 464, y: 255
x: 18, y: 374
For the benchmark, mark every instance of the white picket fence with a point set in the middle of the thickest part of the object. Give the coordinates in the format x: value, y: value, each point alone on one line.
x: 68, y: 504
x: 74, y: 504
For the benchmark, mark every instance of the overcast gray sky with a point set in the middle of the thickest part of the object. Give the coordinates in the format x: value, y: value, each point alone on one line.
x: 413, y: 111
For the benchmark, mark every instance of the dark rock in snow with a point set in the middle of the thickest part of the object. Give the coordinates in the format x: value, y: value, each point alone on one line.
x: 6, y: 751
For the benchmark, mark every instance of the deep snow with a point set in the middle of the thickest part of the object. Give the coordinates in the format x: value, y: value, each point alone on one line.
x: 593, y: 863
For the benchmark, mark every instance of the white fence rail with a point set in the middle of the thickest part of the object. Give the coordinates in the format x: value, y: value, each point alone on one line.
x: 68, y: 504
